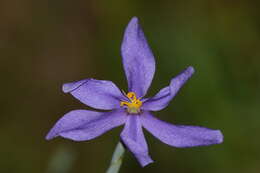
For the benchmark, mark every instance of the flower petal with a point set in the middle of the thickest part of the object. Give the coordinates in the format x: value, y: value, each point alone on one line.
x: 99, y: 94
x: 165, y: 95
x: 138, y: 59
x: 132, y: 136
x: 80, y: 125
x: 179, y: 135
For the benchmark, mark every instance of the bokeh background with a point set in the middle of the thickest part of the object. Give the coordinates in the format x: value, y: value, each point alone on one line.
x: 44, y: 44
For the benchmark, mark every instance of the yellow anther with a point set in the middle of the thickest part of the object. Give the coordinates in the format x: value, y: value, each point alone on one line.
x: 131, y: 96
x: 134, y: 104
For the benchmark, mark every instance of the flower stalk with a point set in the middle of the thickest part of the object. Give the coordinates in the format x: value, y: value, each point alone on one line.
x: 117, y: 159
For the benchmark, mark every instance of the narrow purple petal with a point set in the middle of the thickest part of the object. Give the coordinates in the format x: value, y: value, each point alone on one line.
x: 81, y: 125
x: 132, y: 136
x: 138, y: 59
x: 99, y: 94
x: 179, y: 135
x: 165, y: 95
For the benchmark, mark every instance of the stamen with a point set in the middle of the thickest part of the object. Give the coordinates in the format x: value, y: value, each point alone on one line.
x: 134, y: 104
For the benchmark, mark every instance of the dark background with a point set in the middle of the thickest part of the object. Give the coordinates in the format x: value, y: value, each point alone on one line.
x: 44, y: 44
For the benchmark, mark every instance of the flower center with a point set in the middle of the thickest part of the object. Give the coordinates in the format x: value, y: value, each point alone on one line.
x: 133, y: 105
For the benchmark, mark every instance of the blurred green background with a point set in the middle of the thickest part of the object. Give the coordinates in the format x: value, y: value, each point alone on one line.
x: 44, y: 44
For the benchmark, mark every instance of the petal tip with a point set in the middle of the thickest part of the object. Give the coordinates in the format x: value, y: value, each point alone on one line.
x: 53, y: 133
x: 133, y: 25
x: 68, y: 87
x: 220, y: 137
x: 146, y: 162
x: 49, y: 136
x: 134, y: 20
x: 190, y: 70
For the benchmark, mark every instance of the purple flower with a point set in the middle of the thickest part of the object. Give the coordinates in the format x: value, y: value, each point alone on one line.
x: 131, y: 109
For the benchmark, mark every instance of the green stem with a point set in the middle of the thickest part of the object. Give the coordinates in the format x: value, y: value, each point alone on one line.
x: 117, y: 159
